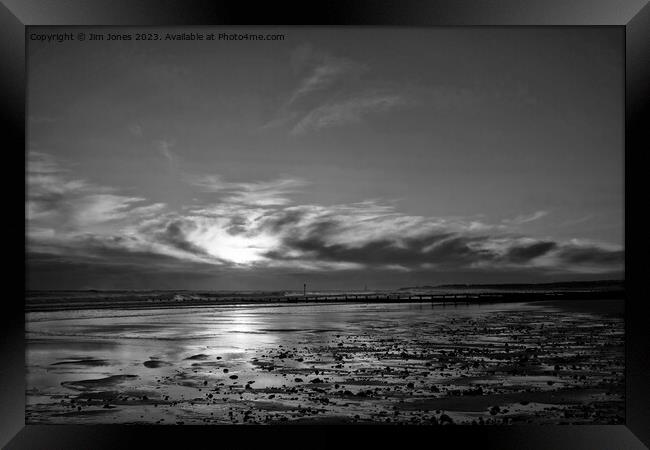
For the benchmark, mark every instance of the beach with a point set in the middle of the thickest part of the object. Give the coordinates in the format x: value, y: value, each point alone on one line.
x: 415, y: 363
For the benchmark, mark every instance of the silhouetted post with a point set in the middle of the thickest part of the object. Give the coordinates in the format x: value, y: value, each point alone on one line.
x: 304, y: 290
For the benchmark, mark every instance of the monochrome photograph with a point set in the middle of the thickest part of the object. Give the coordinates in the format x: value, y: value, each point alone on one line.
x: 325, y: 225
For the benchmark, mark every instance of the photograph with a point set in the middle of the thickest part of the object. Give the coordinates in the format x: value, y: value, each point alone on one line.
x: 275, y: 225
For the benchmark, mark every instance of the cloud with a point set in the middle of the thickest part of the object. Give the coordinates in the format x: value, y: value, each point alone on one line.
x: 59, y: 205
x: 331, y: 92
x: 175, y: 234
x: 334, y: 91
x: 449, y: 251
x: 410, y: 246
x: 347, y: 112
x: 377, y: 236
x: 327, y: 72
x: 255, y: 228
x: 165, y: 149
x: 264, y: 193
x: 590, y: 255
x: 519, y: 220
x: 376, y: 253
x: 48, y: 187
x: 92, y: 208
x: 108, y: 265
x: 526, y: 253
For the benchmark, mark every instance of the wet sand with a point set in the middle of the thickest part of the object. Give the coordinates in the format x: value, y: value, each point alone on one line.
x: 538, y: 362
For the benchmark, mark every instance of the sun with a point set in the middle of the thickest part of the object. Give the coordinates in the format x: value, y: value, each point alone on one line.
x: 239, y: 249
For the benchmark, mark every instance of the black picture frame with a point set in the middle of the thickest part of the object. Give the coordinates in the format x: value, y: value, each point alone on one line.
x: 632, y: 15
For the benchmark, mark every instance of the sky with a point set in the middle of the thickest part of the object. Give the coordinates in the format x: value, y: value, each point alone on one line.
x: 337, y: 157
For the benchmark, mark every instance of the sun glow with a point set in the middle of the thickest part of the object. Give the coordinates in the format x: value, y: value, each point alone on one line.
x: 239, y: 249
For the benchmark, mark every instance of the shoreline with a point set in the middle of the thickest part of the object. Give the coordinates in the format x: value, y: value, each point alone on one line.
x: 570, y: 303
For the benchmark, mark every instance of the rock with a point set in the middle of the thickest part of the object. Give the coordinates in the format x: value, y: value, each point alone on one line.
x: 316, y: 380
x: 444, y: 418
x: 233, y: 377
x: 154, y: 364
x: 200, y: 356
